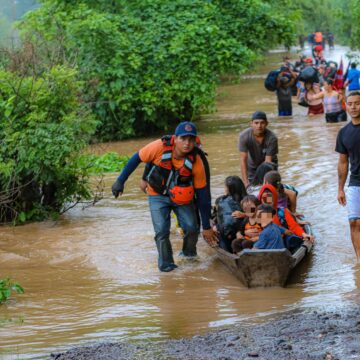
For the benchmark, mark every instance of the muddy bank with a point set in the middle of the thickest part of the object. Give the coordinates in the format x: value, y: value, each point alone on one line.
x: 309, y: 335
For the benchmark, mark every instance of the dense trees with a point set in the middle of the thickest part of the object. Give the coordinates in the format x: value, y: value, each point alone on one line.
x: 109, y: 70
x: 43, y: 129
x: 148, y: 63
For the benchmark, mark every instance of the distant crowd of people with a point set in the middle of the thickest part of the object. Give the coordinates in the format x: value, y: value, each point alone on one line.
x: 315, y: 82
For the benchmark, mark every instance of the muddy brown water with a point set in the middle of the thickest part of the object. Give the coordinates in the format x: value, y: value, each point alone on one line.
x: 92, y: 275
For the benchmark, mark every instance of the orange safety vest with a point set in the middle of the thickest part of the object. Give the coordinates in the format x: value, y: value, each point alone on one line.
x: 177, y: 184
x: 318, y: 37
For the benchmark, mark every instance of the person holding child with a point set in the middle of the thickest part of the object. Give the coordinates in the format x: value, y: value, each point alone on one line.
x: 287, y: 197
x: 249, y: 234
x: 271, y: 236
x: 226, y: 206
x: 283, y: 216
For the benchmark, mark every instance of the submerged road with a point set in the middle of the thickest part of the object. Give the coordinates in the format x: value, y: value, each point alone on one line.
x: 92, y: 275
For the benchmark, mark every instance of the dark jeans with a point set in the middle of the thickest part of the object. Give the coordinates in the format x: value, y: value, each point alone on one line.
x: 239, y: 245
x: 160, y: 208
x: 336, y: 116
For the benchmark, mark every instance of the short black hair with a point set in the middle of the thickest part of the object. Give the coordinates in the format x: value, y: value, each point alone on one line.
x: 250, y: 198
x: 266, y: 209
x: 236, y: 187
x: 353, y: 65
x: 261, y: 171
x: 353, y: 93
x: 329, y: 81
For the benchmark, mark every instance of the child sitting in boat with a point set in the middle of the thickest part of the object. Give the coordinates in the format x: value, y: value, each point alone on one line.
x: 271, y: 237
x: 250, y: 232
x: 227, y: 225
x: 286, y: 197
x: 283, y: 216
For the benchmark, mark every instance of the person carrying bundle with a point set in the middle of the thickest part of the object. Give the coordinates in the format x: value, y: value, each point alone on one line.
x: 284, y: 83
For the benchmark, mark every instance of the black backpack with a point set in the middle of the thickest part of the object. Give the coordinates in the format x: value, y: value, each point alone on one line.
x: 270, y: 81
x: 228, y: 225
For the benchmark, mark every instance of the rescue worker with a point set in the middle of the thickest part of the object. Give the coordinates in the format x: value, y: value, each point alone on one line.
x: 177, y: 178
x: 318, y: 38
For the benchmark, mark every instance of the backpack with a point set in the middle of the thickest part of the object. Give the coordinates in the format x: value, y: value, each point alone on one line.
x: 270, y: 81
x: 309, y: 74
x: 228, y: 225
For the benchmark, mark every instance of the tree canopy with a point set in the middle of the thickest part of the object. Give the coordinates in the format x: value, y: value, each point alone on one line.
x: 149, y: 63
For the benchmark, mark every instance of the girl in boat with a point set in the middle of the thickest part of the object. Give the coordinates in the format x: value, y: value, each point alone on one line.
x: 226, y: 224
x: 287, y: 195
x: 258, y: 181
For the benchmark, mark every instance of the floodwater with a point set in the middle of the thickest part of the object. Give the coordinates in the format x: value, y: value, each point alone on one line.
x: 92, y: 275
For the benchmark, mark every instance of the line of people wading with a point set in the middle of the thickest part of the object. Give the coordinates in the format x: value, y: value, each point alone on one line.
x: 316, y: 83
x: 256, y: 211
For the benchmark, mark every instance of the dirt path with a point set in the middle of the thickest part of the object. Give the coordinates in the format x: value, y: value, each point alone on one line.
x: 302, y: 336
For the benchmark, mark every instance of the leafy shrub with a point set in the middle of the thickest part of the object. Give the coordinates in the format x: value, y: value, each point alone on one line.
x: 7, y: 286
x: 98, y: 165
x: 149, y: 63
x: 43, y: 129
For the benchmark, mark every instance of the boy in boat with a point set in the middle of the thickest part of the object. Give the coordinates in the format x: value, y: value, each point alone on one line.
x: 271, y: 237
x: 269, y: 195
x: 246, y: 237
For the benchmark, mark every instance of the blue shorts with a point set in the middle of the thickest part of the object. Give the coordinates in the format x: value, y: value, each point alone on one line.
x: 285, y: 113
x: 353, y: 202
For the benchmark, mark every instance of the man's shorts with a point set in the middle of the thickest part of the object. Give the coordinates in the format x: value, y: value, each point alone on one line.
x: 353, y: 202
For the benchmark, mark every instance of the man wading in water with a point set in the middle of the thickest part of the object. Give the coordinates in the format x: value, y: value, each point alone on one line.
x: 348, y: 147
x: 257, y: 144
x: 177, y: 176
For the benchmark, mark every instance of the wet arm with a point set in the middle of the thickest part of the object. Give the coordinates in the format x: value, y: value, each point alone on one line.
x: 243, y: 167
x: 293, y: 226
x: 203, y: 202
x: 292, y: 200
x: 129, y: 168
x: 343, y: 168
x: 317, y: 96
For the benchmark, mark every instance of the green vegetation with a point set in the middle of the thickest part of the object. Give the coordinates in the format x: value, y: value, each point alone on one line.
x: 7, y: 286
x: 106, y: 163
x: 146, y: 64
x: 338, y: 16
x: 351, y: 21
x: 43, y: 129
x: 99, y: 70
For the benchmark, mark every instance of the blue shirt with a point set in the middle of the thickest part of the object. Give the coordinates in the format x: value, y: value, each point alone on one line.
x: 271, y: 237
x: 353, y: 77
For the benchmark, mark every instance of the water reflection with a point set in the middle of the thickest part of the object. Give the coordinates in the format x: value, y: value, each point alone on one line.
x: 93, y: 274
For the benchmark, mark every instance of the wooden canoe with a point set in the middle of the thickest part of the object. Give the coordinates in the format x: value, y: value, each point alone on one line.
x: 263, y: 268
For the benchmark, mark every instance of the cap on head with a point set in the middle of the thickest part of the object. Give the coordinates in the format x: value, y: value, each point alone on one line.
x: 186, y: 128
x: 259, y: 115
x: 284, y: 80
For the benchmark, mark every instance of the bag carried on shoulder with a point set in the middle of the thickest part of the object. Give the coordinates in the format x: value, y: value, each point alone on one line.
x: 270, y: 81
